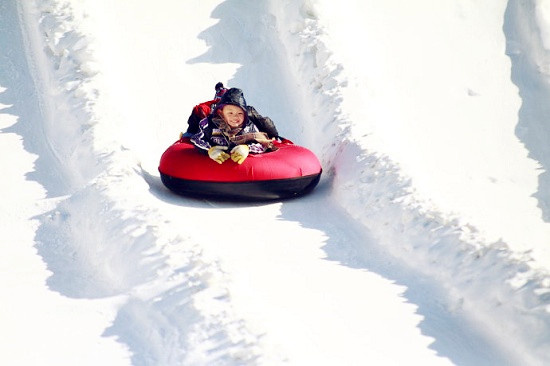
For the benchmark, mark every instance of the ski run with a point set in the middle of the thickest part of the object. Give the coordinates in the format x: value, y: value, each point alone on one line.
x: 427, y: 241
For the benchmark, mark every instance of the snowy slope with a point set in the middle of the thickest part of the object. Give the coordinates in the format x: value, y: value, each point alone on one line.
x: 425, y: 241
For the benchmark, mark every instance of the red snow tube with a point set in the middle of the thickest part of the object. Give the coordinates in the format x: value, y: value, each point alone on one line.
x: 290, y: 171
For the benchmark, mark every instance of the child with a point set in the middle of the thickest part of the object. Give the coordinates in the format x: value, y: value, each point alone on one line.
x: 229, y: 133
x: 202, y: 110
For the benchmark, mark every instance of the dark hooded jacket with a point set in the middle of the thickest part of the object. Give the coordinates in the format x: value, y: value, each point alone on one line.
x: 213, y: 131
x: 231, y: 96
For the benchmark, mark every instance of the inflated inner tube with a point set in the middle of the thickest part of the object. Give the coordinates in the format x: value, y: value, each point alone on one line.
x: 290, y: 171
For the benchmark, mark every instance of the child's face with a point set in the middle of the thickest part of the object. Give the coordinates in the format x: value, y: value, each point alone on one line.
x: 232, y: 115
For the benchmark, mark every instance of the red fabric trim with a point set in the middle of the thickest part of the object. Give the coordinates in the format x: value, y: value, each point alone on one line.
x: 203, y: 110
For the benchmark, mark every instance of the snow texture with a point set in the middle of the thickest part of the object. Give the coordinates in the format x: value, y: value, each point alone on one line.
x: 426, y: 242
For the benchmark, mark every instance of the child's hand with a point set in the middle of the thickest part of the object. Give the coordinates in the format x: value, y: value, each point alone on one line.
x: 218, y: 154
x: 239, y: 153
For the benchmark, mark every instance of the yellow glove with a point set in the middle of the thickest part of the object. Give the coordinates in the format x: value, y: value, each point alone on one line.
x: 218, y: 154
x: 239, y: 153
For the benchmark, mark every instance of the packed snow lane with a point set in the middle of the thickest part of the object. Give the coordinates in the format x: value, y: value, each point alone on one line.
x: 312, y: 287
x: 321, y: 291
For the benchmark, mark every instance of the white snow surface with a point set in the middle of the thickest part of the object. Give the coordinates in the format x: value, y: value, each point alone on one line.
x: 427, y: 241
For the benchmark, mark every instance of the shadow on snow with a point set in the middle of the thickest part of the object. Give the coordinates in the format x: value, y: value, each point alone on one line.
x: 534, y: 89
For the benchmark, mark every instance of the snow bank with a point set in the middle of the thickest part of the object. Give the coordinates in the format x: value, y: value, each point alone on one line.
x: 495, y: 284
x: 103, y: 239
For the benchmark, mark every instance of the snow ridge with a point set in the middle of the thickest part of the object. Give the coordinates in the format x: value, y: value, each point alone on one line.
x: 527, y: 46
x: 376, y: 194
x: 156, y: 278
x: 69, y: 93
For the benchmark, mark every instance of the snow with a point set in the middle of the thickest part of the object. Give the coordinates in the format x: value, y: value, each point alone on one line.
x: 426, y: 242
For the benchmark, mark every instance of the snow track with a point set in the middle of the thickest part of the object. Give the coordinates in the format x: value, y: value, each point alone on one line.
x: 358, y: 272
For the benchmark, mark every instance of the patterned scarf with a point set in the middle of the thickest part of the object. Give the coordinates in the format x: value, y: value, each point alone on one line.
x: 232, y: 134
